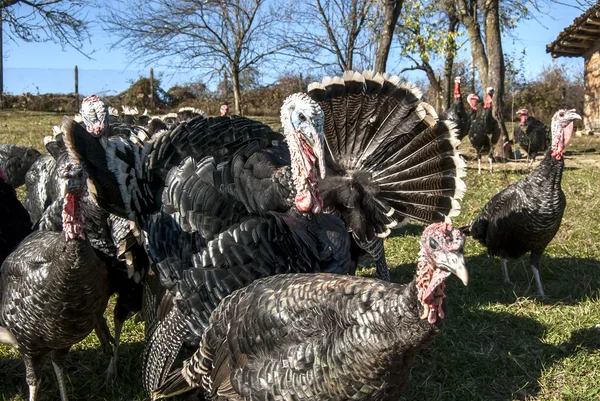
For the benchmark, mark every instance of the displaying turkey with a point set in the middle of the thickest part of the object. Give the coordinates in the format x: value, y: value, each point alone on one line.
x: 484, y: 132
x: 111, y: 237
x: 457, y: 113
x: 53, y: 289
x: 15, y: 161
x: 323, y: 336
x: 388, y: 160
x: 14, y: 224
x: 525, y: 216
x: 531, y: 135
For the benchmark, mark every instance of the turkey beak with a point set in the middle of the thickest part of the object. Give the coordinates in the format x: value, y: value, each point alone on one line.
x: 455, y: 263
x: 573, y: 115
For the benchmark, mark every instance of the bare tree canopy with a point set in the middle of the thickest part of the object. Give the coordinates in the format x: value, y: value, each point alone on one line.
x: 205, y: 35
x: 332, y: 32
x: 61, y: 21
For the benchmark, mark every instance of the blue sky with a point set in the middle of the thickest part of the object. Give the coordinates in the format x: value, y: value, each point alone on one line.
x: 47, y: 68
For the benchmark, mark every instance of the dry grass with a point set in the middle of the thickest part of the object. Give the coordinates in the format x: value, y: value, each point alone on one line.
x: 499, y: 344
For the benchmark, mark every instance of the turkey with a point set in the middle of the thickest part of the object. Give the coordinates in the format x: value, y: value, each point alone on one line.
x: 187, y: 113
x: 170, y: 119
x: 485, y: 132
x: 15, y: 224
x: 324, y: 336
x: 111, y: 237
x: 456, y: 113
x: 531, y: 135
x: 472, y: 99
x: 387, y: 160
x: 525, y: 216
x: 15, y: 161
x: 53, y: 289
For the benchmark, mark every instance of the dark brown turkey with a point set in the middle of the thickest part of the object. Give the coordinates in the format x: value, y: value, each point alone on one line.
x: 525, y: 216
x: 53, y: 289
x: 324, y: 337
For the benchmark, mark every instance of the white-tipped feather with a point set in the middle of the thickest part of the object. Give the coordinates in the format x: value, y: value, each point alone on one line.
x: 57, y: 130
x: 315, y: 85
x: 455, y: 211
x: 6, y: 337
x: 169, y: 115
x: 353, y: 76
x: 48, y: 139
x: 112, y: 111
x: 414, y: 89
x: 131, y: 111
x: 77, y: 118
x: 384, y: 234
x: 430, y: 110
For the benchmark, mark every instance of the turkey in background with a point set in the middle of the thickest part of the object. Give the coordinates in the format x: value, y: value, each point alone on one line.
x: 525, y: 216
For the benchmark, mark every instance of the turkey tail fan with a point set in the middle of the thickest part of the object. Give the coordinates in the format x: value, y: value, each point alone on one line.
x: 117, y: 176
x: 390, y: 157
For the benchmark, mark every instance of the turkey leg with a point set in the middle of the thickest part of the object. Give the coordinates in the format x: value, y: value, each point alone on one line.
x: 507, y: 281
x: 33, y: 373
x: 535, y: 265
x: 58, y: 362
x: 111, y: 372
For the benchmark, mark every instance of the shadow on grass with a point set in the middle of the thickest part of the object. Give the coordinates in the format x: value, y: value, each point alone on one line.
x: 496, y: 355
x: 482, y: 355
x: 85, y: 376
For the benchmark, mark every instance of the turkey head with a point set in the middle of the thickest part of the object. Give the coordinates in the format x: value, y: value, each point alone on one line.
x: 472, y: 99
x: 441, y: 254
x: 302, y: 121
x: 94, y: 113
x: 457, y: 87
x: 562, y: 129
x: 73, y: 182
x: 522, y: 113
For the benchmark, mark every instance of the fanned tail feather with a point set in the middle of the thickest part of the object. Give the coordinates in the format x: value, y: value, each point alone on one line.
x: 390, y: 157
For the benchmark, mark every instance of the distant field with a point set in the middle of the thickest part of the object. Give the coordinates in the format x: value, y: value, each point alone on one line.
x: 499, y: 343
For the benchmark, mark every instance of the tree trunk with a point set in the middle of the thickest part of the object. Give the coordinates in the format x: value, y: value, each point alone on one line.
x: 237, y: 95
x: 467, y: 14
x: 392, y: 12
x: 1, y: 66
x: 495, y: 77
x: 449, y: 64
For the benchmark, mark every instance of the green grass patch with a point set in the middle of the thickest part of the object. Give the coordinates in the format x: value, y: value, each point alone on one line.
x: 499, y: 343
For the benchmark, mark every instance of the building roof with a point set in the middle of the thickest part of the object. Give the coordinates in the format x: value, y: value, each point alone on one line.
x: 576, y: 39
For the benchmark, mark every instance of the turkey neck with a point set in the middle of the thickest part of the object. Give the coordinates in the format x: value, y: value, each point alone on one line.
x: 73, y: 218
x: 549, y: 173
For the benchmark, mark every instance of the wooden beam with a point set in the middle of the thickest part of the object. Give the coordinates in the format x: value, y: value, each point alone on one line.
x: 593, y: 21
x: 574, y: 44
x: 588, y: 29
x: 560, y: 49
x: 584, y: 37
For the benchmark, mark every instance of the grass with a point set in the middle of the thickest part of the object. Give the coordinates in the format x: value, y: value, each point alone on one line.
x: 499, y: 343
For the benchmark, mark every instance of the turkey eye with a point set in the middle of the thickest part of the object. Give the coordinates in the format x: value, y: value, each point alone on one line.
x: 302, y: 117
x: 562, y: 114
x: 433, y: 244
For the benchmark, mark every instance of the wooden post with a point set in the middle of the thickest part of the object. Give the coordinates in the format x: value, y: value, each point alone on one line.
x: 151, y: 88
x: 76, y: 89
x: 301, y: 84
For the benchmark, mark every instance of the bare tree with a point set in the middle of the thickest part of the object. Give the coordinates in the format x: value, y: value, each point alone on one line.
x: 203, y: 35
x: 331, y: 32
x: 428, y: 30
x: 392, y: 9
x: 60, y: 21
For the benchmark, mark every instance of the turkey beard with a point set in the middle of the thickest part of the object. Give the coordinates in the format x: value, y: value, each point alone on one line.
x: 431, y: 284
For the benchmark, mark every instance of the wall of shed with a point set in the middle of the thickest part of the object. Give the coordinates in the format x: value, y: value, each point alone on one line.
x: 591, y: 112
